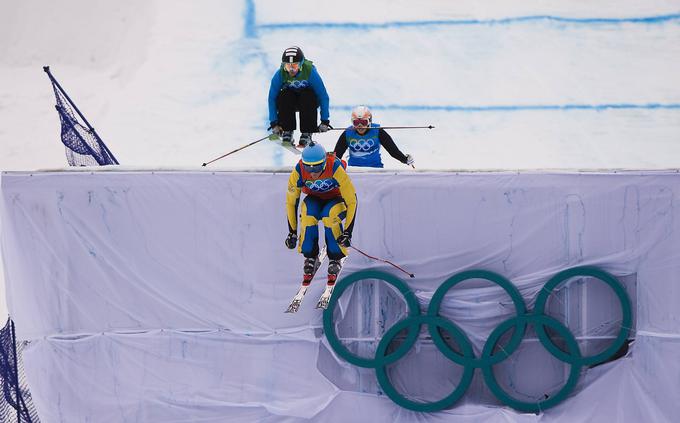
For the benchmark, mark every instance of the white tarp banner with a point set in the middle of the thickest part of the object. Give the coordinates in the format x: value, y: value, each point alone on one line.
x: 159, y: 296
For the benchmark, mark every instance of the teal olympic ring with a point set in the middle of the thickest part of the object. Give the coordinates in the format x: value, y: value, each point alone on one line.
x: 466, y: 357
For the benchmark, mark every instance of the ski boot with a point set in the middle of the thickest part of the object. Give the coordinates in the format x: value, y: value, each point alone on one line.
x: 334, y: 267
x: 305, y: 138
x: 287, y: 138
x: 309, y: 269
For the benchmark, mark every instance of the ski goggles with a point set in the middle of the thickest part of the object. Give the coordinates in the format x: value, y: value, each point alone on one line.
x: 295, y: 66
x: 314, y: 168
x: 360, y: 122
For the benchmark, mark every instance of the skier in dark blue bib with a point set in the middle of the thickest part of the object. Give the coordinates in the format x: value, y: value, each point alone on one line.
x: 297, y: 86
x: 363, y: 140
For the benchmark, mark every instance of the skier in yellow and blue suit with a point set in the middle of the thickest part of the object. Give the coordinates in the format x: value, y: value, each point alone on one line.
x: 330, y: 198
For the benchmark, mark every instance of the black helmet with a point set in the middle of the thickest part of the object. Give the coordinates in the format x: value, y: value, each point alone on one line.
x: 292, y: 55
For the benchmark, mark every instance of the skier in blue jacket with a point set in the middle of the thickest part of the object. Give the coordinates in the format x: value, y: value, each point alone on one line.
x: 297, y: 86
x: 364, y: 139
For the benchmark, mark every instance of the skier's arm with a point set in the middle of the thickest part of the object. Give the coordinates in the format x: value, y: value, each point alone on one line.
x: 341, y: 145
x: 293, y: 198
x: 274, y: 90
x: 321, y: 94
x: 387, y: 142
x: 349, y: 195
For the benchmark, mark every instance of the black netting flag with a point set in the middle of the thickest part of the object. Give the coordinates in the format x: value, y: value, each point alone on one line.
x: 16, y: 404
x: 83, y: 145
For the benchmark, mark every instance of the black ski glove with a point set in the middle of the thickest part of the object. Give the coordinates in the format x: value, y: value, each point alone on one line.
x: 291, y: 240
x: 345, y: 239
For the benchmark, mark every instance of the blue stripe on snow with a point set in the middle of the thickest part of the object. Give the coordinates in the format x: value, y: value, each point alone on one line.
x: 249, y: 26
x: 514, y: 108
x: 452, y: 22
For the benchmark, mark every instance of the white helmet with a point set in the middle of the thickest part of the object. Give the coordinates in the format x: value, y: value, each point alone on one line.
x: 361, y: 117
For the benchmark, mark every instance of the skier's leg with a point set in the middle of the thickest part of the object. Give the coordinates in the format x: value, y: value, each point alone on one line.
x: 286, y: 103
x: 332, y: 215
x: 309, y: 226
x: 308, y: 104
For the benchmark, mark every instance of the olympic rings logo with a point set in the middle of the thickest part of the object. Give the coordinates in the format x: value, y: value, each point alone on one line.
x: 466, y: 357
x: 295, y: 84
x: 320, y: 185
x: 362, y: 144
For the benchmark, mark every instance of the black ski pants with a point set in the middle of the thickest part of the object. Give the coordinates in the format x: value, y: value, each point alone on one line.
x: 289, y: 101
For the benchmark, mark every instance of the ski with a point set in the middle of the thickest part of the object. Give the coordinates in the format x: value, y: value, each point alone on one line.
x: 306, y: 280
x: 288, y: 146
x: 291, y: 148
x: 330, y: 286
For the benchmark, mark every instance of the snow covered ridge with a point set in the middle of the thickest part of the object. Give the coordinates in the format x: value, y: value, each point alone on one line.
x: 107, y: 270
x: 540, y: 93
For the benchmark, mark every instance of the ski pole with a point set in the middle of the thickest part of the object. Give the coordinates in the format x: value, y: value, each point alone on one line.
x: 390, y: 127
x: 238, y: 149
x: 383, y: 260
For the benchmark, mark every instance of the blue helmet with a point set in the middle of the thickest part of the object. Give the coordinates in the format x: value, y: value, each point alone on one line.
x: 314, y: 157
